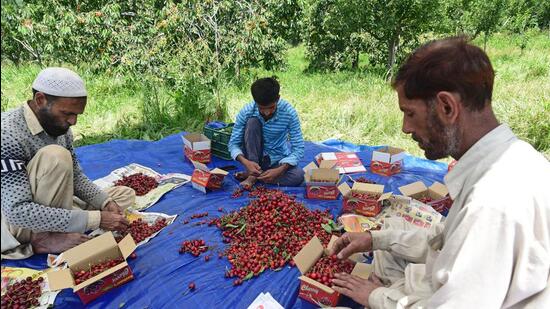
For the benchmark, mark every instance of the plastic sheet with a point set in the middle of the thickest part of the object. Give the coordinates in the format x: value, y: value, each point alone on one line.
x: 162, y: 274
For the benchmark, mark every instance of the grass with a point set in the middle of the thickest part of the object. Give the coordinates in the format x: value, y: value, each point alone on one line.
x: 355, y: 106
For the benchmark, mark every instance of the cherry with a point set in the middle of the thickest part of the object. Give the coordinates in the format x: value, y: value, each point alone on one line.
x: 192, y: 286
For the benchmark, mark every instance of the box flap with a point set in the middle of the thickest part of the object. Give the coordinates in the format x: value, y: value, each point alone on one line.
x: 100, y: 243
x: 100, y: 276
x: 309, y: 255
x: 325, y: 174
x: 367, y: 188
x: 333, y: 239
x: 413, y: 188
x: 327, y: 164
x: 439, y: 188
x: 200, y: 166
x: 127, y: 245
x: 344, y: 189
x: 380, y: 155
x: 60, y: 279
x: 309, y: 167
x: 195, y: 137
x: 362, y: 270
x: 397, y: 157
x: 219, y: 171
x: 385, y: 196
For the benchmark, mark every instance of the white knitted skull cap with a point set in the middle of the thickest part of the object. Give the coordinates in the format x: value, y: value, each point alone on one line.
x: 60, y: 82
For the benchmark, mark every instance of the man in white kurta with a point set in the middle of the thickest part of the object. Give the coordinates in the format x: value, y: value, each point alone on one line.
x: 493, y: 250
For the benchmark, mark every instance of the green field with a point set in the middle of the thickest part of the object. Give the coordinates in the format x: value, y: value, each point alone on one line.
x: 359, y: 107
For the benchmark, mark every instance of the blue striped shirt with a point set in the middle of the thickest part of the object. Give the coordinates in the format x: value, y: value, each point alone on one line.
x: 283, y: 127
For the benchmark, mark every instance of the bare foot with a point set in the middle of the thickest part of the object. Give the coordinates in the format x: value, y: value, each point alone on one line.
x: 248, y: 183
x: 241, y: 176
x: 50, y: 242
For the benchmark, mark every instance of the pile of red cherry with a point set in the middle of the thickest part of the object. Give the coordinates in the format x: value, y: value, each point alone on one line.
x: 23, y: 294
x: 140, y: 182
x: 364, y: 180
x: 199, y: 215
x: 323, y: 271
x: 425, y: 199
x: 140, y: 229
x: 268, y: 232
x: 195, y: 247
x: 93, y: 270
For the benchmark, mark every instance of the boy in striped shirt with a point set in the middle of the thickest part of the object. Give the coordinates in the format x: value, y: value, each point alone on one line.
x: 267, y: 138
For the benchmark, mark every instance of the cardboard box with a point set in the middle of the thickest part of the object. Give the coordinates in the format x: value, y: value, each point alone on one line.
x: 322, y: 181
x: 197, y: 147
x: 357, y: 201
x: 345, y: 162
x: 203, y: 178
x: 437, y: 195
x: 387, y: 161
x: 94, y: 251
x: 316, y: 292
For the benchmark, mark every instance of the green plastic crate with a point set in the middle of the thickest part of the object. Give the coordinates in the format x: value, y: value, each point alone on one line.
x: 219, y: 135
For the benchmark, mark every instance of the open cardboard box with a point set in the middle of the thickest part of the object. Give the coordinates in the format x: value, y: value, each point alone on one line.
x: 345, y: 162
x: 197, y: 147
x: 322, y: 181
x: 355, y: 203
x: 437, y: 193
x: 387, y: 161
x: 316, y: 292
x: 203, y: 178
x: 94, y: 251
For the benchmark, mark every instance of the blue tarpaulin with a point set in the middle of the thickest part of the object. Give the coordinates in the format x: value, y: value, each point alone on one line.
x: 162, y: 274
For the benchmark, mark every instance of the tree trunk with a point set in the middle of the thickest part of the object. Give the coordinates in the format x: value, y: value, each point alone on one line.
x: 355, y: 61
x: 392, y: 52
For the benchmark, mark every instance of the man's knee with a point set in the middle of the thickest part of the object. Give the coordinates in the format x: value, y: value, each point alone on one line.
x: 293, y: 177
x: 55, y: 157
x: 253, y: 124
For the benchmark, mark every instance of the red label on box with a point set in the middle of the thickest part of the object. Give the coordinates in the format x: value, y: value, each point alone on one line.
x: 386, y: 169
x: 322, y: 192
x: 317, y: 296
x: 202, y: 156
x: 200, y: 177
x: 442, y: 204
x: 100, y: 287
x: 368, y: 208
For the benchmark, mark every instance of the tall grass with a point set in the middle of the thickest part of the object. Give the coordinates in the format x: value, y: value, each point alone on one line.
x: 357, y: 106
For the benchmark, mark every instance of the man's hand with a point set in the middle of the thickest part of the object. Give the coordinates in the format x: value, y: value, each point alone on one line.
x: 113, y: 207
x: 351, y: 243
x: 252, y: 167
x: 356, y: 288
x: 112, y: 221
x: 270, y: 176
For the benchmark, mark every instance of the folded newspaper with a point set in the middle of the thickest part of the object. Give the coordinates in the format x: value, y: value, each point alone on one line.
x: 167, y: 182
x: 265, y: 301
x: 11, y: 275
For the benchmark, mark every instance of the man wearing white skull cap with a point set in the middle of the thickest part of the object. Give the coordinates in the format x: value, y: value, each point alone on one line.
x: 47, y: 201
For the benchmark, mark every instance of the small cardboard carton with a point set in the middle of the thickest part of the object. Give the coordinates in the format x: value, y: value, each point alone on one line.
x: 387, y: 161
x: 92, y: 252
x: 322, y: 181
x: 203, y: 178
x: 364, y: 198
x: 437, y: 195
x: 197, y: 147
x: 312, y: 290
x: 346, y: 162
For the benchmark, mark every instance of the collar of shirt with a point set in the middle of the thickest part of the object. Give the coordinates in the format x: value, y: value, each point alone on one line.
x: 256, y: 112
x: 30, y: 118
x: 464, y: 167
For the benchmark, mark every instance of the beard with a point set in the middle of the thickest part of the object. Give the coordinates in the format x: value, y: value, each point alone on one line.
x: 51, y: 125
x: 442, y: 140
